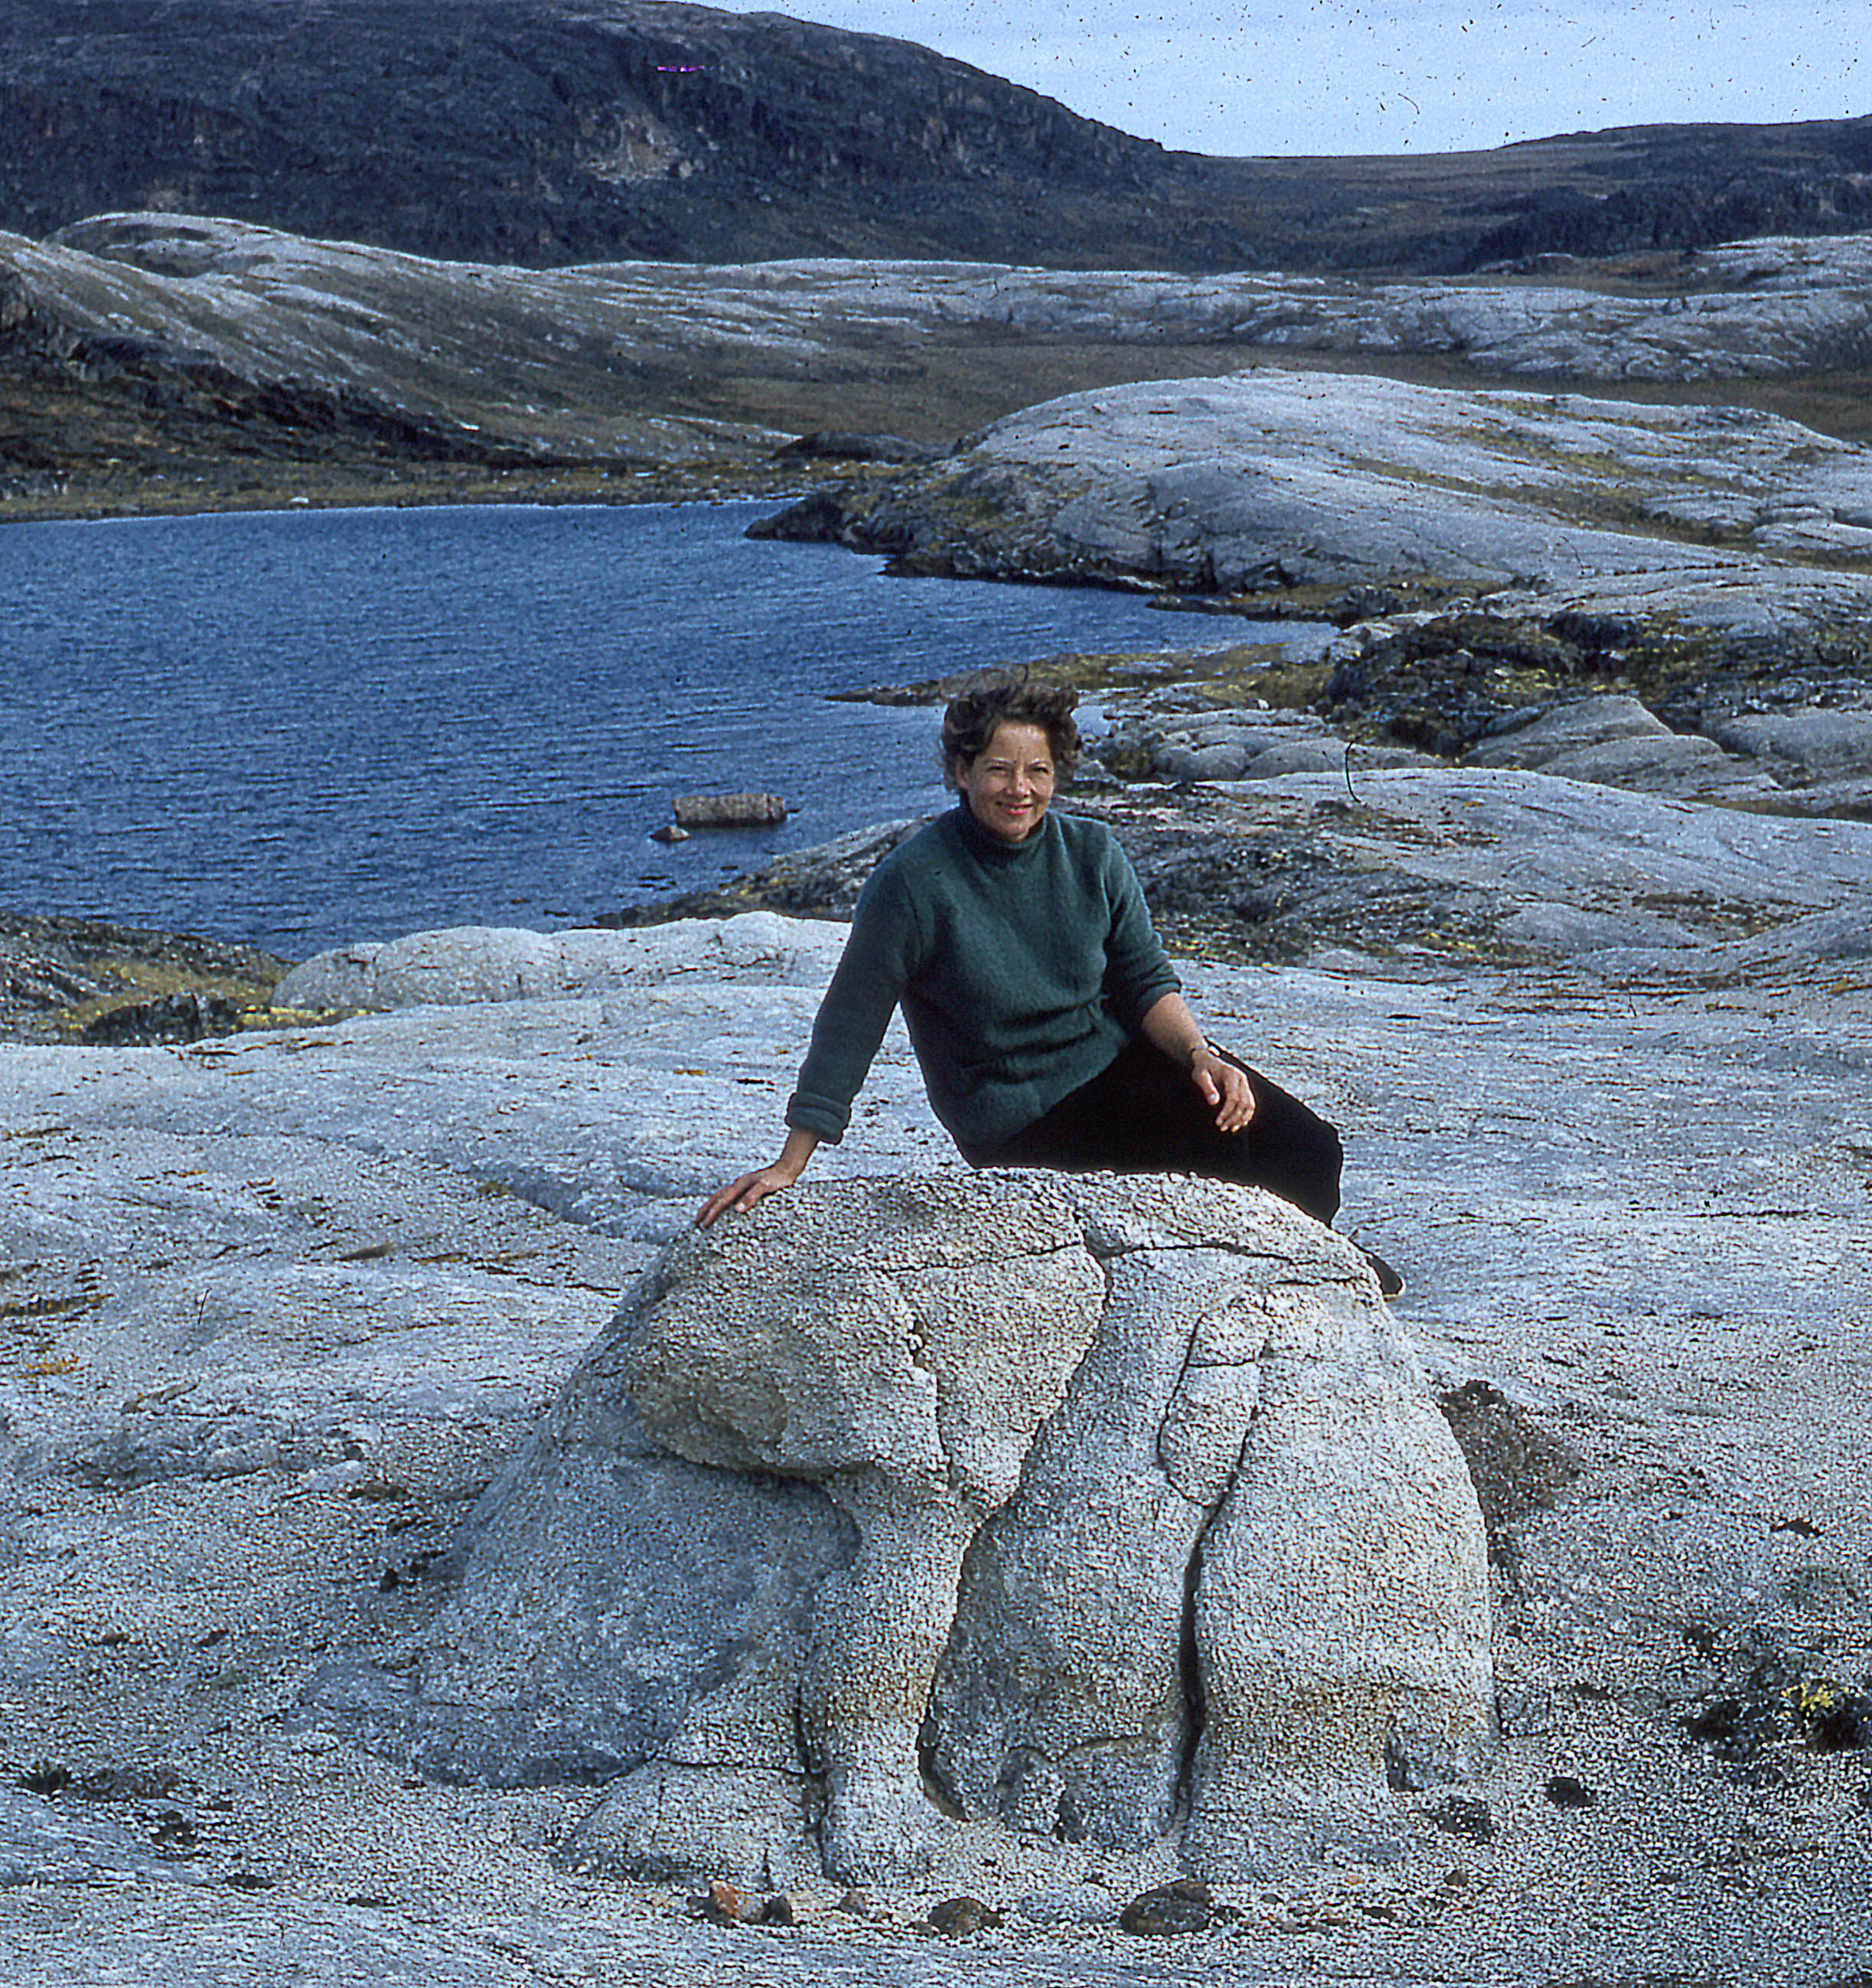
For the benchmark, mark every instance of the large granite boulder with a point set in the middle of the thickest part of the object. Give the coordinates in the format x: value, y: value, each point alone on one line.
x: 1105, y: 1511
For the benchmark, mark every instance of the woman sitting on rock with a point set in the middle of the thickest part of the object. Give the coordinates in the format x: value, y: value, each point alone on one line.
x: 1044, y: 1014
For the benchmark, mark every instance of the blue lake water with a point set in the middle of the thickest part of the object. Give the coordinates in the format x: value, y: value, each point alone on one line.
x: 305, y: 727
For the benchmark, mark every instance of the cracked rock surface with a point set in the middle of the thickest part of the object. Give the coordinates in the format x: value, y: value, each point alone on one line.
x: 1633, y: 1209
x: 1141, y: 1474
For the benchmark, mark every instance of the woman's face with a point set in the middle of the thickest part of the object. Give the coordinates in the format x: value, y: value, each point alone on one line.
x: 1010, y: 781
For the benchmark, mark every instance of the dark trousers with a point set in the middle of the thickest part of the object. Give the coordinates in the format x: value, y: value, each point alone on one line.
x: 1141, y: 1114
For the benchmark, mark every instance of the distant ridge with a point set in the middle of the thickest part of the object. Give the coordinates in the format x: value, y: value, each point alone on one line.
x: 542, y: 133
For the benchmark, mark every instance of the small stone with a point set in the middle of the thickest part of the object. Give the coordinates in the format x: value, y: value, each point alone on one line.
x: 721, y: 1905
x: 1833, y: 1720
x: 1564, y: 1791
x: 670, y: 832
x: 779, y: 1910
x: 1462, y: 1815
x: 957, y: 1918
x: 858, y: 1906
x: 141, y: 1784
x: 1185, y: 1906
x: 1413, y: 1765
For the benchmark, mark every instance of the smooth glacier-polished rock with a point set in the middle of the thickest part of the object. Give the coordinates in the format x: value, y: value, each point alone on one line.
x: 1104, y: 1510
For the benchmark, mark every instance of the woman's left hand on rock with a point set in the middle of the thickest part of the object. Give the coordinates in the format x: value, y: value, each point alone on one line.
x: 1225, y: 1087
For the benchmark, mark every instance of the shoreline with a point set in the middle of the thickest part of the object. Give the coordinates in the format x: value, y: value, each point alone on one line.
x: 61, y: 973
x: 132, y: 496
x: 1314, y: 851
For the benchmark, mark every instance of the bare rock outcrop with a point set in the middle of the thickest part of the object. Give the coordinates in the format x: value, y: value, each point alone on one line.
x: 1616, y: 742
x: 1116, y: 1512
x: 1823, y: 754
x: 1610, y: 739
x: 473, y: 963
x: 1262, y: 482
x: 1634, y: 1219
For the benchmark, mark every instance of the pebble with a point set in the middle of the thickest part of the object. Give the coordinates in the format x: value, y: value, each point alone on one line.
x: 1186, y: 1904
x: 1462, y: 1815
x: 957, y: 1918
x: 721, y: 1905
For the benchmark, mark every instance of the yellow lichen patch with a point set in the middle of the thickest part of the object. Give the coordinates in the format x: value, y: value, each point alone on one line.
x: 17, y: 1311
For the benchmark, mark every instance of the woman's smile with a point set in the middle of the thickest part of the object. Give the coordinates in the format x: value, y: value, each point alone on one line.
x: 1009, y: 784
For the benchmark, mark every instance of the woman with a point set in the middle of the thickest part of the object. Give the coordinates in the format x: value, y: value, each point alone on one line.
x: 1044, y: 1014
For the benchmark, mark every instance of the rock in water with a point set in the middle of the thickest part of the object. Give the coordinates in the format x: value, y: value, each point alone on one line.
x: 750, y: 810
x: 1119, y: 1505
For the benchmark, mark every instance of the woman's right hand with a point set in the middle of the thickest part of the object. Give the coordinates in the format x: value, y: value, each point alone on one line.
x: 742, y: 1194
x: 751, y: 1189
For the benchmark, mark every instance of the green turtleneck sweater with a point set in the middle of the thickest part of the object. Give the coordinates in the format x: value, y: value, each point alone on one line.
x: 1023, y: 969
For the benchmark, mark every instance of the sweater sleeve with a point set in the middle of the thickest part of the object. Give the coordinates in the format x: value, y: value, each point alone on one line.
x: 880, y: 955
x: 1138, y: 971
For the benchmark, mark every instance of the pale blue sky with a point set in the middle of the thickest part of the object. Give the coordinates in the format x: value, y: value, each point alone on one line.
x: 1267, y: 76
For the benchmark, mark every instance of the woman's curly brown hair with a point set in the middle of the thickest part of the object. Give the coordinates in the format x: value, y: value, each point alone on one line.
x: 970, y: 720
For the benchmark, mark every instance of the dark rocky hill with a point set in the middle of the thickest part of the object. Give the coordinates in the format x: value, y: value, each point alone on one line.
x: 545, y: 132
x: 541, y: 133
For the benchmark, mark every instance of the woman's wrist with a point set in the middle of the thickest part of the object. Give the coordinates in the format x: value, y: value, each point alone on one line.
x: 798, y: 1149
